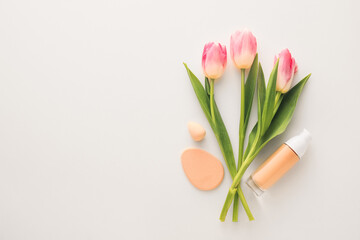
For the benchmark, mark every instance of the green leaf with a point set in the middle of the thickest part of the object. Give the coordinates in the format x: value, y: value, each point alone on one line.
x: 225, y: 142
x: 261, y: 92
x: 220, y: 131
x: 250, y: 89
x: 281, y: 119
x: 200, y: 94
x: 284, y: 114
x: 269, y: 103
x: 207, y: 86
x: 252, y: 137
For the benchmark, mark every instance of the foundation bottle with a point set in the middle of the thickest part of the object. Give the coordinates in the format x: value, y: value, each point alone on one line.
x: 279, y: 163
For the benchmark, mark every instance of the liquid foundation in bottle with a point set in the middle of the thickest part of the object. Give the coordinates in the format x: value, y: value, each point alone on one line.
x: 279, y: 163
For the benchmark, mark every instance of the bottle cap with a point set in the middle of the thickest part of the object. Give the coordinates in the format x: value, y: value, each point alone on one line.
x: 299, y: 143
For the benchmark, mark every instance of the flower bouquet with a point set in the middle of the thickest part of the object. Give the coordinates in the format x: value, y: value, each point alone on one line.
x: 276, y: 103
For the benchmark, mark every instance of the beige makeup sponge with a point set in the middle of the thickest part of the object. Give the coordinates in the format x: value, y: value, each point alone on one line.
x: 203, y: 170
x: 197, y: 132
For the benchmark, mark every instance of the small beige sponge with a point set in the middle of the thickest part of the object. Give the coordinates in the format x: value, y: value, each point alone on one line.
x: 197, y: 132
x: 202, y: 169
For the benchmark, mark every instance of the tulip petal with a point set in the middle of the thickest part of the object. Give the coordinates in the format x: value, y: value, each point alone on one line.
x: 286, y: 71
x: 243, y: 48
x: 214, y: 60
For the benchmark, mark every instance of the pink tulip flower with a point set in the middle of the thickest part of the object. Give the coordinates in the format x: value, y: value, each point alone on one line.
x: 243, y: 48
x: 214, y: 60
x: 286, y: 70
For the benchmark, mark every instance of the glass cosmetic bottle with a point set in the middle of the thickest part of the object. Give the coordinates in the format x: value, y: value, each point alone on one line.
x: 279, y: 163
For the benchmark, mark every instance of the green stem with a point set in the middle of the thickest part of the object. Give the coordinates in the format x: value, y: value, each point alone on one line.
x: 234, y: 186
x: 244, y: 203
x: 241, y: 142
x: 236, y: 182
x: 228, y: 201
x: 235, y: 216
x: 241, y: 172
x: 277, y: 97
x: 255, y: 148
x: 240, y: 195
x: 227, y: 204
x: 242, y: 120
x: 212, y: 100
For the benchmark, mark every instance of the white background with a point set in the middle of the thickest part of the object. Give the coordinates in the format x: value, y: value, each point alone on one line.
x: 94, y: 102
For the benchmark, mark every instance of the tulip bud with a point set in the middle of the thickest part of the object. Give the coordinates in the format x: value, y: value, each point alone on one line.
x: 214, y: 60
x: 286, y: 70
x: 243, y: 47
